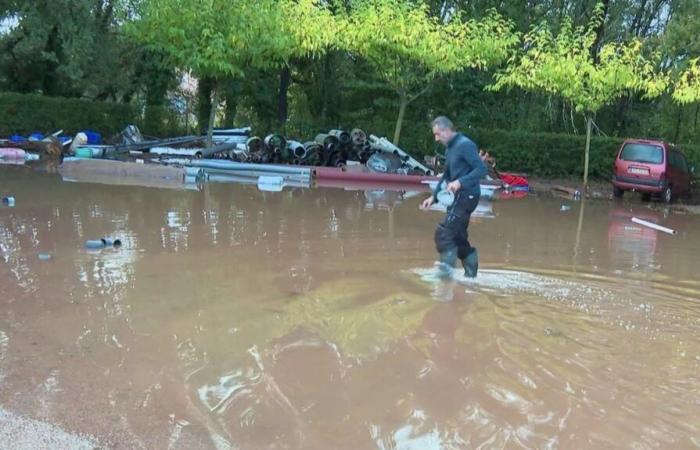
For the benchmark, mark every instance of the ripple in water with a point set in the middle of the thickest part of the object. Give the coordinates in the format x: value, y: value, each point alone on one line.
x: 551, y: 356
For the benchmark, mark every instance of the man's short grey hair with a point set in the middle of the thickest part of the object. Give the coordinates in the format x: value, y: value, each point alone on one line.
x: 443, y: 123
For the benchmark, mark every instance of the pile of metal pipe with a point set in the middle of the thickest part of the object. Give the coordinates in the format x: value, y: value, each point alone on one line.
x: 332, y: 149
x: 230, y: 135
x: 384, y: 145
x: 143, y: 146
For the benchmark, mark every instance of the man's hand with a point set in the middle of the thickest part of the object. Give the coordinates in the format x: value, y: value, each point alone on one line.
x: 427, y: 203
x: 454, y: 186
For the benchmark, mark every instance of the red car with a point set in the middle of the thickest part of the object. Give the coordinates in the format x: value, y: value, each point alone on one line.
x: 651, y: 168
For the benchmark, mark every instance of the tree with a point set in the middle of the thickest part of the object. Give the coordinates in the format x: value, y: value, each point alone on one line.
x: 687, y: 87
x: 156, y: 79
x: 566, y: 65
x: 219, y: 39
x: 686, y: 91
x: 409, y: 48
x: 325, y: 82
x: 68, y: 48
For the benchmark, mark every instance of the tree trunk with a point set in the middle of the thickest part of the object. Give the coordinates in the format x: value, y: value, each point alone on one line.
x: 637, y: 22
x: 599, y: 32
x: 283, y: 107
x: 679, y: 120
x: 403, y: 103
x: 231, y: 99
x: 204, y: 92
x: 589, y: 125
x: 579, y: 228
x: 50, y: 80
x: 154, y: 117
x: 212, y: 115
x: 620, y: 114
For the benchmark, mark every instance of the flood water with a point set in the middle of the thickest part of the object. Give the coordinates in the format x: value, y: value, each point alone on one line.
x: 310, y: 319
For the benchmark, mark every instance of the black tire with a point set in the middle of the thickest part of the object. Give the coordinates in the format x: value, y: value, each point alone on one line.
x: 617, y: 192
x: 667, y: 195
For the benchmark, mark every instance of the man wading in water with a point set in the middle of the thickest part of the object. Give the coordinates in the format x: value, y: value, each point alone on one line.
x: 463, y: 170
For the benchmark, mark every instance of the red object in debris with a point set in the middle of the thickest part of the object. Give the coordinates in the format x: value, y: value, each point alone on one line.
x: 334, y: 173
x: 371, y: 185
x: 513, y: 180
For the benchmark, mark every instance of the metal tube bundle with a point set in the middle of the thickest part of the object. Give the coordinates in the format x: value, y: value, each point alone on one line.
x: 297, y: 152
x: 331, y: 149
x: 383, y: 144
x: 188, y: 152
x: 332, y: 154
x: 233, y: 166
x: 260, y: 180
x: 359, y: 138
x: 255, y: 145
x: 203, y: 173
x: 343, y: 137
x: 276, y: 146
x: 268, y: 181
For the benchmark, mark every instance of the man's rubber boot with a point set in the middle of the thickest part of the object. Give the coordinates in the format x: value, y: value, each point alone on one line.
x: 447, y: 262
x: 471, y: 264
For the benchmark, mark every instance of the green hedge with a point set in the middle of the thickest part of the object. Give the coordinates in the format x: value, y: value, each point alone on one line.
x: 25, y: 113
x: 557, y: 155
x: 549, y: 155
x: 546, y: 155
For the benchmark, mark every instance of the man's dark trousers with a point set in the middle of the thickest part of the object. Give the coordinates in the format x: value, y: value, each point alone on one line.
x: 451, y: 233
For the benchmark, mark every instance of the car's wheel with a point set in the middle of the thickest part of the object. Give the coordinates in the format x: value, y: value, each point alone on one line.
x: 617, y: 192
x: 667, y: 195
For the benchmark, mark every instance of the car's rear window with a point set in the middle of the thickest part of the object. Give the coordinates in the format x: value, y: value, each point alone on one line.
x: 642, y: 153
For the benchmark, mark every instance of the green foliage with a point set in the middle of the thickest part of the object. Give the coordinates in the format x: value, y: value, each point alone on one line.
x: 26, y: 113
x: 217, y: 38
x: 680, y: 37
x: 548, y: 155
x: 572, y: 66
x: 408, y: 47
x: 64, y: 47
x: 564, y: 65
x: 687, y: 88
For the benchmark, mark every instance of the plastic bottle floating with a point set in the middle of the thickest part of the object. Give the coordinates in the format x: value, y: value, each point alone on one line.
x: 8, y: 201
x: 103, y: 243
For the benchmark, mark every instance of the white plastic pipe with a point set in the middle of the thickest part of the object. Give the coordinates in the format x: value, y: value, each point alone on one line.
x: 653, y: 225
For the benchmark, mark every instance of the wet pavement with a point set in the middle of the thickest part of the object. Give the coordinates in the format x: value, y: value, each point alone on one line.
x: 311, y: 319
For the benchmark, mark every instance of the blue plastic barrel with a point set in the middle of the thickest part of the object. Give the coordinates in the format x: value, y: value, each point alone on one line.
x: 94, y: 138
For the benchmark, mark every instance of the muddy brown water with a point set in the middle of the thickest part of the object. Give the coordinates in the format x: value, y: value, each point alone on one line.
x: 310, y: 319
